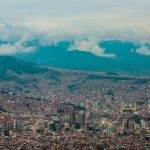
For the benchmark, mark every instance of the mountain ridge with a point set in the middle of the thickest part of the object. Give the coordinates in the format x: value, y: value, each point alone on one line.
x: 126, y: 60
x: 20, y: 66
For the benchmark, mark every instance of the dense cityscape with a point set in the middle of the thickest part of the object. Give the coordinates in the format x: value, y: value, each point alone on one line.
x: 74, y: 74
x: 74, y: 110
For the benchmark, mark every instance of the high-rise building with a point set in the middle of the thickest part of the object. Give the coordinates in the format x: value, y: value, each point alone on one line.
x: 82, y: 118
x: 71, y: 116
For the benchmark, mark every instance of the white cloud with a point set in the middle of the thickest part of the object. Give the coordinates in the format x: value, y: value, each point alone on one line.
x: 90, y: 45
x: 17, y: 47
x: 143, y: 50
x: 127, y: 19
x: 47, y: 33
x: 14, y: 39
x: 51, y: 21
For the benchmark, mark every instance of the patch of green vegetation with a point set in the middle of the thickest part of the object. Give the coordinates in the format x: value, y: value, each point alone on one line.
x: 2, y: 109
x: 72, y: 87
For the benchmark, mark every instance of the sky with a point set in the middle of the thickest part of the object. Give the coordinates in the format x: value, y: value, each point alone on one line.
x: 86, y: 22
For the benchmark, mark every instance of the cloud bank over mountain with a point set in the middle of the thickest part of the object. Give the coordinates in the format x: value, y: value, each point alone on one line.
x: 85, y: 23
x: 143, y: 50
x: 90, y: 45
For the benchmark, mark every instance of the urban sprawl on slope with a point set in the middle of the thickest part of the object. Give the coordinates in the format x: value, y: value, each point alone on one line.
x: 75, y: 111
